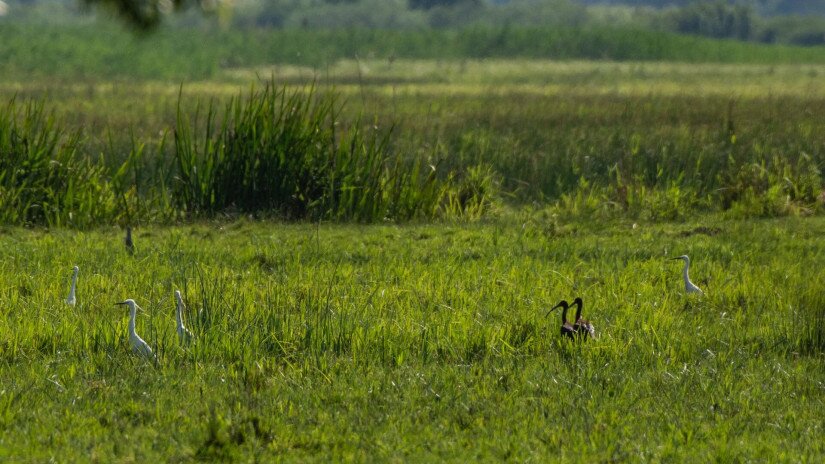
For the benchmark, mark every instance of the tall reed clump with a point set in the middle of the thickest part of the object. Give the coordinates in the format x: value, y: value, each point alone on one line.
x: 285, y: 153
x: 44, y: 180
x: 142, y: 181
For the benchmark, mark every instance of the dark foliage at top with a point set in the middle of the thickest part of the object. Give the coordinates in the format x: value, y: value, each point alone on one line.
x: 142, y: 14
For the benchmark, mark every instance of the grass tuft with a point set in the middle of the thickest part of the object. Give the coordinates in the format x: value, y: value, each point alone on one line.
x: 287, y: 153
x: 44, y: 179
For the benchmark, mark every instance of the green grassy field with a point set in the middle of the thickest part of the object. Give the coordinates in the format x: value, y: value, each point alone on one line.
x: 416, y: 342
x: 646, y: 141
x: 390, y: 303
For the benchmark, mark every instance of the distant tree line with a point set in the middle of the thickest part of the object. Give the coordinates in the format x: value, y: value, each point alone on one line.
x: 427, y: 4
x: 794, y: 22
x: 716, y: 19
x: 763, y: 7
x: 721, y: 19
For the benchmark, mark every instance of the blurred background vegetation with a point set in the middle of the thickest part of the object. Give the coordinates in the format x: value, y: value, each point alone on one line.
x: 196, y: 40
x: 768, y: 21
x: 425, y: 108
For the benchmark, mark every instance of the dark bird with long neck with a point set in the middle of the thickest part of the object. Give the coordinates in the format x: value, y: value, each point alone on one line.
x: 583, y: 327
x: 567, y: 329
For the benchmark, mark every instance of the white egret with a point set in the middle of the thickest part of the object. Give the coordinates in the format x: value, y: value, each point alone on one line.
x: 183, y: 333
x: 567, y: 329
x: 689, y: 286
x: 583, y: 327
x: 71, y: 300
x: 139, y: 347
x: 130, y: 245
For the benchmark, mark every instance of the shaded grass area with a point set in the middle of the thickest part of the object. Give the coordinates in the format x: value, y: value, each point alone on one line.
x: 273, y: 152
x: 286, y: 154
x: 642, y: 156
x: 416, y: 342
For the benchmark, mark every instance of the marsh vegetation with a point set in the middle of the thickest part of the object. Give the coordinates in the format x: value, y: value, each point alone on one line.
x: 367, y: 253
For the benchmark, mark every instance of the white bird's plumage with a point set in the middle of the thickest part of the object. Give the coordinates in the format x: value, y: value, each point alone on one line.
x: 183, y: 333
x: 71, y: 300
x: 139, y: 347
x: 690, y: 287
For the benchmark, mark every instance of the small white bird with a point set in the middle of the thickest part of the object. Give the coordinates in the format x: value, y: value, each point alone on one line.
x: 139, y: 347
x: 689, y: 286
x: 71, y: 300
x: 183, y: 333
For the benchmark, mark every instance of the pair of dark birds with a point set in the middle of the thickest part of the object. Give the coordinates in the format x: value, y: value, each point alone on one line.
x: 578, y: 330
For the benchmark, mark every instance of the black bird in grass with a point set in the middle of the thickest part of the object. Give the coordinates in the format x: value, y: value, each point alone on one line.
x: 567, y: 329
x: 583, y: 327
x: 130, y: 246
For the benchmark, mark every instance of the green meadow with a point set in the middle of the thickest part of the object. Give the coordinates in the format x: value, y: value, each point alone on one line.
x: 416, y: 342
x: 368, y: 245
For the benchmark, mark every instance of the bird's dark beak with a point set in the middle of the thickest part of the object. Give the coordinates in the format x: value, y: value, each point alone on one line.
x: 673, y: 259
x: 120, y: 303
x: 560, y: 305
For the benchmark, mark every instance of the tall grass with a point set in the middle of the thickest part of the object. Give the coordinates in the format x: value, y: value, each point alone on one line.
x: 293, y: 155
x: 44, y: 179
x: 288, y: 153
x: 300, y: 154
x: 271, y: 152
x: 656, y: 157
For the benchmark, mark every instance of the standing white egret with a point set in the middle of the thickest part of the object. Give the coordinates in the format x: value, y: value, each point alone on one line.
x: 689, y: 286
x: 130, y: 245
x: 71, y: 300
x: 139, y: 347
x: 183, y: 333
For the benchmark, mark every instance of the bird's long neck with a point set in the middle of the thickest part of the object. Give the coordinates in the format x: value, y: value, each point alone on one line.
x: 564, y: 314
x: 578, y: 309
x: 685, y: 272
x: 74, y: 285
x: 132, y: 314
x: 178, y: 314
